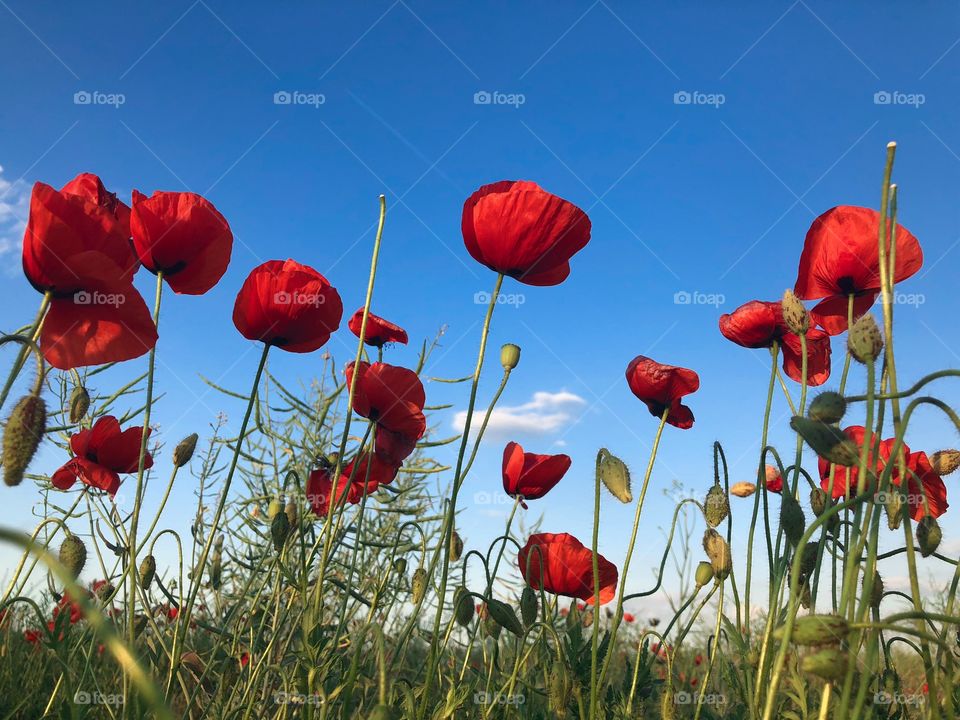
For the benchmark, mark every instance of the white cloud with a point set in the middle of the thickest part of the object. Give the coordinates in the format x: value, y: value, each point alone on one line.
x: 14, y: 206
x: 546, y: 413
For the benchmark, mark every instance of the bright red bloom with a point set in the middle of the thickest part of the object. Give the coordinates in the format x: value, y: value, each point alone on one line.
x: 844, y: 477
x: 393, y: 448
x: 320, y: 490
x: 379, y: 331
x: 758, y: 324
x: 71, y: 606
x: 183, y: 235
x: 661, y: 387
x: 289, y: 305
x: 101, y: 453
x: 519, y: 229
x: 922, y: 483
x: 529, y: 475
x: 32, y: 636
x: 244, y: 659
x: 841, y: 257
x: 693, y: 682
x: 774, y: 481
x: 565, y: 567
x: 629, y: 618
x: 390, y: 396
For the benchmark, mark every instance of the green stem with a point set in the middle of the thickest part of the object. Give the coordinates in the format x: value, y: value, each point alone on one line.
x: 24, y: 349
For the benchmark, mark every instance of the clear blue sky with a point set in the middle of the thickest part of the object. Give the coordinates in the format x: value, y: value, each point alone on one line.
x: 712, y: 196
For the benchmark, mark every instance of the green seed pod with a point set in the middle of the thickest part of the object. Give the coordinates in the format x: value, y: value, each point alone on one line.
x: 795, y: 316
x: 148, y: 569
x: 876, y: 592
x: 558, y: 691
x: 184, y: 450
x: 816, y: 630
x: 456, y: 546
x: 818, y: 501
x: 22, y: 436
x: 279, y: 530
x: 73, y: 555
x: 504, y: 616
x: 830, y: 663
x: 79, y: 404
x: 716, y: 506
x: 615, y: 475
x: 945, y: 462
x: 928, y: 535
x: 418, y: 585
x: 704, y: 574
x: 463, y: 606
x: 528, y: 606
x: 827, y: 407
x: 828, y: 441
x: 668, y: 706
x: 808, y: 557
x: 718, y: 551
x: 864, y: 339
x: 275, y: 507
x: 791, y: 519
x: 400, y: 566
x: 509, y: 356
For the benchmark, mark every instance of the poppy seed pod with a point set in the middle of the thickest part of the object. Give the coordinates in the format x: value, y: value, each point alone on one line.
x: 792, y: 520
x: 830, y: 664
x: 945, y: 462
x: 456, y: 546
x: 716, y: 506
x: 279, y: 530
x: 743, y: 489
x: 615, y: 475
x: 462, y: 606
x: 827, y: 407
x: 509, y: 356
x: 21, y: 437
x: 148, y: 569
x: 818, y: 501
x: 928, y: 535
x: 184, y: 450
x: 558, y: 690
x: 79, y: 404
x: 718, y: 551
x: 876, y: 592
x: 528, y: 606
x: 418, y: 585
x: 865, y: 341
x: 505, y: 616
x: 816, y: 630
x: 795, y: 315
x: 827, y: 441
x: 704, y: 574
x: 73, y: 555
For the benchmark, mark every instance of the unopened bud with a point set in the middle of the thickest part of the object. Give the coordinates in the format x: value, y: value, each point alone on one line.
x: 928, y: 535
x: 668, y: 706
x: 21, y: 437
x: 716, y: 506
x: 816, y: 630
x: 73, y: 555
x: 509, y: 356
x: 828, y: 407
x: 818, y: 501
x: 504, y: 616
x: 718, y: 551
x: 795, y: 315
x: 945, y: 462
x: 463, y: 606
x: 79, y: 404
x: 291, y: 512
x: 743, y: 489
x: 400, y: 566
x: 559, y: 689
x: 456, y: 546
x: 830, y: 664
x: 148, y: 569
x: 275, y: 507
x: 864, y: 339
x: 827, y: 441
x: 528, y: 606
x: 893, y: 506
x: 876, y: 591
x: 418, y: 585
x: 791, y: 519
x: 184, y: 450
x: 704, y: 574
x: 615, y: 475
x: 279, y: 530
x: 808, y: 557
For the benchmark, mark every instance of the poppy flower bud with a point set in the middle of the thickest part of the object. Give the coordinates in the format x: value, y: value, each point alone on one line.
x: 291, y: 512
x: 21, y: 437
x: 816, y: 630
x: 463, y: 606
x: 73, y: 554
x: 719, y: 553
x: 753, y: 658
x: 808, y: 557
x: 505, y: 616
x: 509, y: 356
x: 716, y: 506
x: 704, y: 574
x: 827, y: 441
x: 79, y: 404
x: 456, y: 546
x: 743, y: 489
x: 587, y: 618
x: 893, y: 506
x: 829, y: 664
x: 418, y: 585
x: 818, y: 501
x: 102, y: 590
x: 928, y: 535
x: 148, y: 569
x: 558, y: 691
x: 791, y: 519
x: 279, y: 530
x: 275, y: 506
x: 216, y: 569
x: 184, y: 450
x: 795, y: 315
x: 876, y: 592
x: 668, y: 706
x: 945, y: 462
x: 491, y: 627
x: 528, y: 606
x: 615, y: 475
x: 865, y: 341
x: 400, y: 566
x: 827, y: 407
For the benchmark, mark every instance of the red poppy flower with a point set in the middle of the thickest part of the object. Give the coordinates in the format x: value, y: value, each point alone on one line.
x: 841, y: 257
x: 390, y: 396
x: 101, y: 453
x: 288, y: 305
x: 529, y: 475
x: 629, y: 618
x: 567, y: 567
x: 379, y: 331
x: 758, y: 324
x: 844, y: 477
x: 184, y: 236
x: 393, y: 448
x: 922, y: 483
x: 774, y: 481
x: 32, y: 636
x: 698, y: 660
x: 371, y: 470
x: 661, y: 387
x: 519, y: 229
x: 71, y: 606
x: 244, y: 659
x: 693, y: 682
x: 320, y: 490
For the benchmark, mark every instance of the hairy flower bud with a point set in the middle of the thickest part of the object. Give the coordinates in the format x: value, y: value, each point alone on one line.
x: 808, y: 557
x: 456, y: 546
x: 73, y: 555
x: 290, y: 510
x: 504, y: 616
x: 893, y: 506
x: 509, y: 356
x: 528, y: 606
x: 816, y: 630
x: 275, y: 507
x: 829, y: 664
x: 558, y: 690
x: 615, y: 475
x: 795, y: 315
x: 79, y: 404
x: 418, y: 585
x: 184, y: 450
x: 21, y: 437
x: 718, y: 551
x: 743, y: 489
x: 828, y: 407
x: 928, y: 535
x: 148, y: 569
x: 400, y: 566
x: 876, y: 592
x: 792, y: 520
x: 462, y: 606
x: 703, y: 574
x: 818, y: 501
x: 827, y: 441
x: 864, y: 339
x: 716, y: 506
x: 216, y: 569
x: 279, y: 530
x: 945, y: 462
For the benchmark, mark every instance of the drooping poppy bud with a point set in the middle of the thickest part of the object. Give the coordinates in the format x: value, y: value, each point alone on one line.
x: 456, y: 546
x: 795, y: 315
x: 279, y: 530
x: 615, y: 475
x: 865, y: 341
x: 292, y: 515
x: 792, y: 520
x: 528, y: 606
x: 400, y: 566
x: 718, y: 551
x: 463, y: 606
x: 148, y: 569
x: 893, y: 506
x: 558, y: 691
x: 716, y: 506
x: 79, y: 404
x: 827, y: 441
x: 818, y: 501
x: 509, y: 356
x: 418, y: 585
x: 505, y: 616
x: 928, y: 535
x: 830, y: 664
x: 816, y: 630
x: 21, y: 437
x: 216, y: 568
x: 945, y: 462
x: 827, y: 407
x: 704, y: 574
x: 73, y: 555
x: 743, y: 489
x: 183, y: 452
x: 808, y: 557
x: 274, y: 508
x: 876, y: 591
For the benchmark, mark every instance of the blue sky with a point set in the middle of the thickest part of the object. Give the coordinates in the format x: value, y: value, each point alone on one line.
x: 790, y: 108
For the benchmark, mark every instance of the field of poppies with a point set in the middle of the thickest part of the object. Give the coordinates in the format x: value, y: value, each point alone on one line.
x: 324, y: 576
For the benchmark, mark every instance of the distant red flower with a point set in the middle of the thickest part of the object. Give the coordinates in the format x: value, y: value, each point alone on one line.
x: 629, y: 618
x: 567, y: 567
x: 244, y: 659
x: 773, y: 481
x: 660, y: 651
x: 693, y: 682
x: 169, y: 611
x: 758, y: 324
x: 183, y: 235
x: 698, y: 660
x: 519, y: 229
x: 289, y: 305
x: 72, y: 607
x: 529, y: 475
x: 661, y: 387
x: 841, y: 257
x: 33, y: 636
x: 379, y: 331
x: 101, y: 453
x: 390, y: 396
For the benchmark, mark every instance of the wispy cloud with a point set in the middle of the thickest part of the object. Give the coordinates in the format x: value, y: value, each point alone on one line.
x: 546, y: 413
x: 14, y: 205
